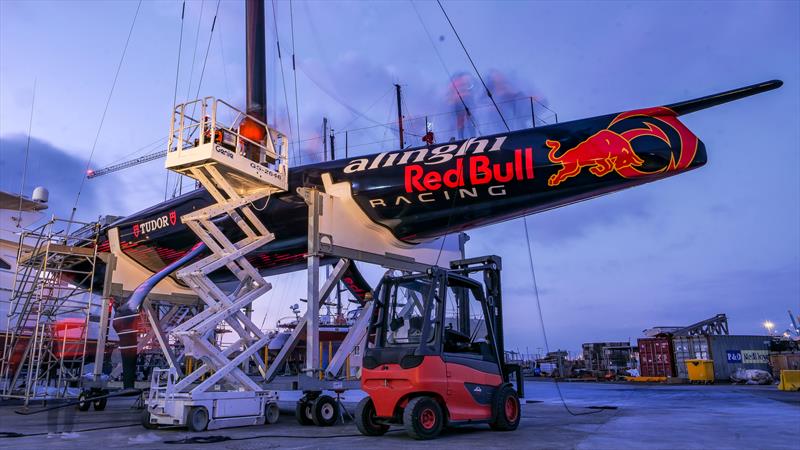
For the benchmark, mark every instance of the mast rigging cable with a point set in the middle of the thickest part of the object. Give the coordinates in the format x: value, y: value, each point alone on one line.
x: 208, y: 48
x: 294, y: 70
x: 488, y: 92
x: 105, y: 111
x: 524, y: 222
x: 283, y: 77
x: 27, y: 152
x: 194, y: 53
x: 444, y: 66
x: 179, y: 183
x: 175, y: 90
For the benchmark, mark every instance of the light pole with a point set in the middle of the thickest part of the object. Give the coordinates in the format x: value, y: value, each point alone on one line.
x: 769, y: 326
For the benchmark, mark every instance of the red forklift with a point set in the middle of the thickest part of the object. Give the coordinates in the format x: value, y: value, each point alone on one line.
x: 435, y: 356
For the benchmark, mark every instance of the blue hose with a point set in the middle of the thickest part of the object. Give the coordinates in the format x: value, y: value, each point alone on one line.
x: 140, y: 293
x: 125, y: 322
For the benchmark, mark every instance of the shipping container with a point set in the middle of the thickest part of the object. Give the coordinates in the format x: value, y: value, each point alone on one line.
x: 655, y: 357
x: 688, y: 347
x: 784, y: 361
x: 602, y: 356
x: 738, y: 352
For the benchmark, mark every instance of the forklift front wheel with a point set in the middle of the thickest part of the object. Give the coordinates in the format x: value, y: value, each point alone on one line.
x: 507, y: 410
x: 366, y: 419
x: 324, y: 411
x: 423, y: 418
x: 198, y: 419
x: 303, y: 412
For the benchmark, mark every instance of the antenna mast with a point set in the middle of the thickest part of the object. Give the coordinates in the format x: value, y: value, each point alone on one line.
x: 399, y: 115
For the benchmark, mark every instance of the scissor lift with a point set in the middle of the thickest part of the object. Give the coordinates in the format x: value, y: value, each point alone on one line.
x: 237, y: 170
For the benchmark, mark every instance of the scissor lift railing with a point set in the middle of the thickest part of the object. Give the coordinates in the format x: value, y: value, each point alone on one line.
x: 236, y: 171
x: 199, y: 137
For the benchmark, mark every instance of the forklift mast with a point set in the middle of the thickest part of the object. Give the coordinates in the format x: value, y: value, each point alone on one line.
x: 490, y: 266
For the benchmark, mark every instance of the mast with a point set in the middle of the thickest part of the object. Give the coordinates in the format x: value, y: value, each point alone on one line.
x: 256, y: 59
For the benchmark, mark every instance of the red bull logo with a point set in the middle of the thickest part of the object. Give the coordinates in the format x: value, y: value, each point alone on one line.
x: 472, y: 171
x: 610, y: 151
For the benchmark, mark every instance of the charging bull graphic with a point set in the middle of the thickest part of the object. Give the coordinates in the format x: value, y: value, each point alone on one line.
x: 613, y: 149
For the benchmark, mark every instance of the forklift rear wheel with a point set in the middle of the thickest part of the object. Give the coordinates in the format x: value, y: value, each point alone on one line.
x: 325, y: 411
x: 303, y: 412
x: 198, y: 419
x: 365, y: 419
x: 83, y: 404
x: 146, y: 420
x: 423, y: 418
x: 506, y: 408
x: 271, y: 413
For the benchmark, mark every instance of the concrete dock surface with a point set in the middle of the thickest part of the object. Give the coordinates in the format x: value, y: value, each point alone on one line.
x: 598, y: 416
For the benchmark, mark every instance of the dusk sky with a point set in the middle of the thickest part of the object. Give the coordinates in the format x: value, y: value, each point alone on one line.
x: 721, y: 239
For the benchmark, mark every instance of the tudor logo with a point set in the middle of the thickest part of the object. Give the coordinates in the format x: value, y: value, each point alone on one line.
x: 167, y: 220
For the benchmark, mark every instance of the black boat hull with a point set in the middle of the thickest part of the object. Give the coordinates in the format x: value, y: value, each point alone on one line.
x: 422, y: 193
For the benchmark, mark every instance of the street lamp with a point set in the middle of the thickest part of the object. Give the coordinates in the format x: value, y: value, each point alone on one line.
x: 769, y: 326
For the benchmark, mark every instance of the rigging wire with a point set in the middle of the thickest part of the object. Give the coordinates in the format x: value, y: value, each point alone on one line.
x: 392, y: 109
x: 283, y: 75
x: 366, y: 111
x: 294, y: 70
x: 488, y: 92
x: 202, y: 74
x: 142, y: 149
x: 525, y: 224
x: 208, y: 48
x: 541, y: 318
x: 179, y: 179
x: 175, y: 90
x: 194, y: 53
x: 27, y: 152
x: 224, y: 66
x: 342, y: 103
x: 105, y: 111
x: 444, y: 66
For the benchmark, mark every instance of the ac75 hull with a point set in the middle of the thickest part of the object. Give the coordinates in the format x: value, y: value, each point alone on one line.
x: 426, y: 192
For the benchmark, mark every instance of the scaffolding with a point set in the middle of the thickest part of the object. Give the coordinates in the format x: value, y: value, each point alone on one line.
x: 51, y: 298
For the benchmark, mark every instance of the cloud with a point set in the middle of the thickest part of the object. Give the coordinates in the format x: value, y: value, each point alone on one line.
x: 51, y: 167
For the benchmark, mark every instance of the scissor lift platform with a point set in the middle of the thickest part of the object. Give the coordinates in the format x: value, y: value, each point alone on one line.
x: 248, y: 164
